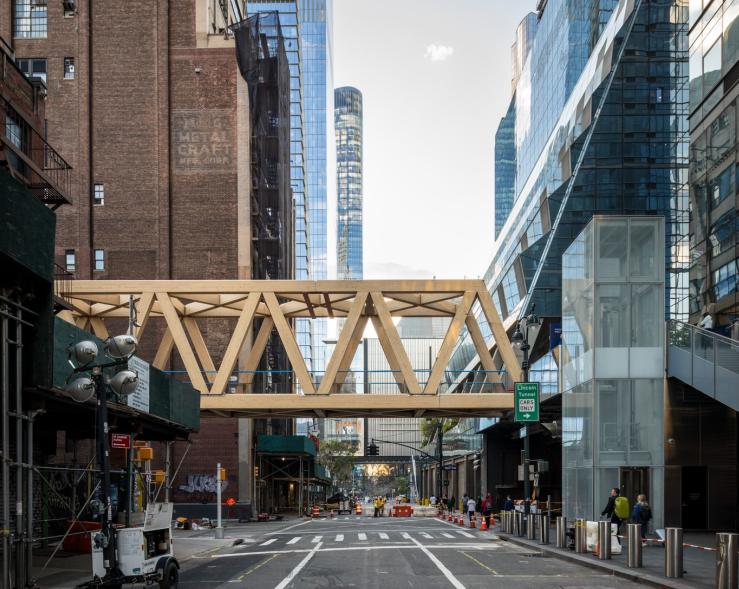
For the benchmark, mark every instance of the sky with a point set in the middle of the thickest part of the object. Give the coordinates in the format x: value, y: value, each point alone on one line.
x: 436, y: 79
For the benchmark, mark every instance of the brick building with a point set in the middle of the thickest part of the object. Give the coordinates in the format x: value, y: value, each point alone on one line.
x: 146, y: 101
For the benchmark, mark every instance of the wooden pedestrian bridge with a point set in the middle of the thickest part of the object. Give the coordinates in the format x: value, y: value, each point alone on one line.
x: 222, y: 337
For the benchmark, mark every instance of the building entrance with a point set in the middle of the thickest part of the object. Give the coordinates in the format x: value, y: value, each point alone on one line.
x: 695, y: 497
x: 634, y: 481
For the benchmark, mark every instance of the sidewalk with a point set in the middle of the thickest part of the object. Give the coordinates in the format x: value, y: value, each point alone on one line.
x: 699, y: 565
x: 67, y: 569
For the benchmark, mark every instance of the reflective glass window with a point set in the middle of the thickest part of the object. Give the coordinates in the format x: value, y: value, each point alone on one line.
x: 613, y: 324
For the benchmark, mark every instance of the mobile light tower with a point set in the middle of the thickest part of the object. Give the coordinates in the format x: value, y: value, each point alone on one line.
x: 88, y: 380
x: 521, y: 339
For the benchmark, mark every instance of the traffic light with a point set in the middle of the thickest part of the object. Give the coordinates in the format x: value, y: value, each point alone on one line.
x: 476, y: 461
x: 373, y: 449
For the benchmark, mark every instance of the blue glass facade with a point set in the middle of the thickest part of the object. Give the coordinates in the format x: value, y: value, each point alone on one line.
x: 505, y: 167
x: 316, y: 43
x: 348, y: 128
x: 288, y: 12
x: 636, y: 162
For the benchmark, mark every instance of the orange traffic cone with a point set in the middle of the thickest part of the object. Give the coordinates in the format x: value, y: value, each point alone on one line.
x: 461, y: 520
x: 456, y: 519
x: 492, y: 520
x: 483, y: 525
x: 450, y: 517
x: 472, y: 521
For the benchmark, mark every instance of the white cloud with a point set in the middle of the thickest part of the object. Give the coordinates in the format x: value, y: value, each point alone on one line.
x: 436, y: 52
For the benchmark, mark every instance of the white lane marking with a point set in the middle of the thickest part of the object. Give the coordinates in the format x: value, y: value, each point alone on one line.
x: 323, y: 519
x: 406, y: 535
x: 294, y: 540
x: 268, y: 542
x: 447, y: 535
x: 439, y: 565
x: 293, y: 573
x: 465, y: 534
x: 425, y: 535
x: 316, y: 539
x: 358, y: 517
x: 383, y: 536
x: 362, y: 536
x: 391, y: 546
x: 339, y: 538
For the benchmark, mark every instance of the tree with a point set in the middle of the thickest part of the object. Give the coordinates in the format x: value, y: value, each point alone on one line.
x: 428, y: 428
x: 336, y: 456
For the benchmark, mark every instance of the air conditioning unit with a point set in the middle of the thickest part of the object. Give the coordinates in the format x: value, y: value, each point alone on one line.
x: 69, y: 5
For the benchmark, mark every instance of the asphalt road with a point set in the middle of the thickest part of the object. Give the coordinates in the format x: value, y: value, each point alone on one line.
x: 384, y: 553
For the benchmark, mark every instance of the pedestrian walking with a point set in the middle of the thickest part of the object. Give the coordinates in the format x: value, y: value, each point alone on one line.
x: 452, y: 503
x: 641, y: 514
x: 465, y: 498
x: 617, y: 508
x: 508, y: 504
x: 487, y: 508
x: 471, y: 505
x: 706, y: 322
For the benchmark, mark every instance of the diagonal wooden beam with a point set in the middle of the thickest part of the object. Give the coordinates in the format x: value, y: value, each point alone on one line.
x: 309, y: 305
x: 501, y: 337
x: 257, y: 349
x: 164, y: 350
x: 345, y: 337
x: 66, y: 315
x: 290, y: 344
x: 143, y: 310
x: 480, y: 345
x: 180, y: 340
x: 393, y: 340
x: 201, y: 349
x: 351, y: 349
x: 235, y: 343
x: 392, y: 359
x: 98, y: 327
x: 447, y: 346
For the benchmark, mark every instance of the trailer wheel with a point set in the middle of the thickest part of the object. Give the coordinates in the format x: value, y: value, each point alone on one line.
x: 171, y: 576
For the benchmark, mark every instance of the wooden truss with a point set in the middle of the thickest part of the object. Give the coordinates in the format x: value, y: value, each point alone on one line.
x: 183, y: 308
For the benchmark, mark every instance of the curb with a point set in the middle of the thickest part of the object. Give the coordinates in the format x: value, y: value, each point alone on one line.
x: 641, y: 578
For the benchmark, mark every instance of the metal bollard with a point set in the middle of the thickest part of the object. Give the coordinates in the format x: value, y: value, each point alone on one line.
x: 531, y: 527
x: 561, y: 532
x: 581, y: 537
x: 604, y: 540
x: 727, y: 573
x: 504, y: 522
x: 674, y: 553
x: 516, y: 523
x: 633, y: 556
x: 509, y: 522
x: 543, y: 528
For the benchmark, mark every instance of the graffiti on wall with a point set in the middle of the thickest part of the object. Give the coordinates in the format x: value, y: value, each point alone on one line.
x: 202, y: 483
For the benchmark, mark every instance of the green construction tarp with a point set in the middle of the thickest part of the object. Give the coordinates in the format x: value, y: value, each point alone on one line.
x: 287, y: 445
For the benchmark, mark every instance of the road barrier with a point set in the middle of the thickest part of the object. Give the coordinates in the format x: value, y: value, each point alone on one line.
x: 402, y: 511
x: 604, y: 540
x: 634, y: 554
x: 727, y: 573
x: 561, y: 532
x: 543, y: 528
x: 674, y: 553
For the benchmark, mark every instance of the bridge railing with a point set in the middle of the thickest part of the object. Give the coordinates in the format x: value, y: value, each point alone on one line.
x: 705, y: 360
x: 359, y: 382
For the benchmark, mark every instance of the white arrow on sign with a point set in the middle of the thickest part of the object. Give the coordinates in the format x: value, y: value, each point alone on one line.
x: 527, y: 415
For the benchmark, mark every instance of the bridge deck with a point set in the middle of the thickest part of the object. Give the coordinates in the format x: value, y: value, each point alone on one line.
x: 352, y: 405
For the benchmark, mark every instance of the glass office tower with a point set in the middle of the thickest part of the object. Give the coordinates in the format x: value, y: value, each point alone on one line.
x: 505, y: 167
x: 288, y: 12
x: 348, y: 128
x: 317, y: 60
x: 635, y: 163
x: 714, y: 183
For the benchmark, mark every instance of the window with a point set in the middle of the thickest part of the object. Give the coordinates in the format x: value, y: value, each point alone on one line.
x: 33, y: 68
x: 98, y: 194
x: 99, y: 260
x: 69, y: 68
x: 724, y: 280
x: 720, y: 187
x: 70, y: 260
x: 30, y: 19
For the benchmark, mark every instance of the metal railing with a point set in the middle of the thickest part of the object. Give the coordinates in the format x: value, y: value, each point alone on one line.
x: 705, y: 360
x: 32, y: 159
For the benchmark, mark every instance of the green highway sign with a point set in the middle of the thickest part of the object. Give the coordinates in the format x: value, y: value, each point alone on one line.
x: 526, y: 401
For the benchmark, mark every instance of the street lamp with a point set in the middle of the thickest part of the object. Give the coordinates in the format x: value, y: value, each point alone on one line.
x: 440, y: 456
x: 88, y: 381
x: 521, y: 339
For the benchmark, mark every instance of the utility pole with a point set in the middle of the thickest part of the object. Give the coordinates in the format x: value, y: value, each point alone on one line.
x: 439, y: 452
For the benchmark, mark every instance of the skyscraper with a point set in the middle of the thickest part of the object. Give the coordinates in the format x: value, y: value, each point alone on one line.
x: 317, y: 61
x: 288, y: 12
x: 348, y: 127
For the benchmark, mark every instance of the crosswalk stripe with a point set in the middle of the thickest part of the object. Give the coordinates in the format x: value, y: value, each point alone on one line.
x: 447, y: 535
x: 362, y: 536
x: 316, y: 539
x: 465, y: 534
x: 339, y: 538
x: 383, y: 536
x: 294, y: 540
x: 406, y: 535
x: 268, y: 542
x: 426, y: 535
